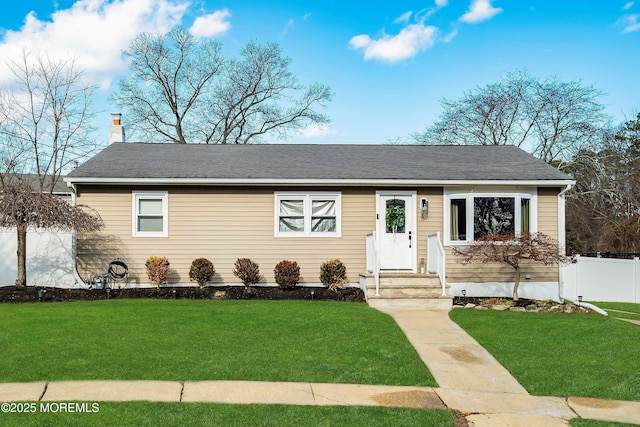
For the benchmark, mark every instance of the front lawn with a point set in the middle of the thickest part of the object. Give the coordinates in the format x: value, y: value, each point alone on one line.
x: 202, y: 414
x: 185, y: 340
x: 561, y: 354
x: 625, y: 310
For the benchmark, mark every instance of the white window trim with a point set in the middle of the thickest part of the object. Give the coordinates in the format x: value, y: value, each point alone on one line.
x: 164, y: 196
x: 307, y: 198
x: 529, y: 193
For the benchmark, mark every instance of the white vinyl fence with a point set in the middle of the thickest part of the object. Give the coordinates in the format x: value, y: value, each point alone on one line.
x: 602, y: 279
x: 49, y: 259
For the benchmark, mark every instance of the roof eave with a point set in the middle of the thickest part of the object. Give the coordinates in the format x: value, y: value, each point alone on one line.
x: 313, y: 182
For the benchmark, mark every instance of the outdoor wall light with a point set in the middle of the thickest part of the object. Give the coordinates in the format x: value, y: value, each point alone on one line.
x: 424, y: 208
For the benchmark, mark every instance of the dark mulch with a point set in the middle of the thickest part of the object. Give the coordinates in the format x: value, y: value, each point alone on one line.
x: 522, y: 302
x: 31, y: 294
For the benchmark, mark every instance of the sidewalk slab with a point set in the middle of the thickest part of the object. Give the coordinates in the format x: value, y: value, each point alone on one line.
x: 248, y: 392
x: 606, y: 410
x: 114, y: 391
x: 492, y: 420
x: 22, y: 392
x: 376, y: 395
x: 471, y: 401
x: 454, y: 358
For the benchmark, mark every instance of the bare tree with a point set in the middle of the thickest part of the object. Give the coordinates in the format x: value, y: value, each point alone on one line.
x: 44, y: 126
x: 512, y: 251
x: 45, y: 118
x: 550, y: 118
x: 23, y: 208
x: 604, y: 208
x: 169, y: 75
x: 183, y: 90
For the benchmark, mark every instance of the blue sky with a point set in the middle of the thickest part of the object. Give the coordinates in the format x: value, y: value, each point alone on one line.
x: 388, y: 63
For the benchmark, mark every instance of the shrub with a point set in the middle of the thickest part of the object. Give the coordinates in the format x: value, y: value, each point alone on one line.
x: 287, y: 274
x: 158, y: 270
x: 201, y: 271
x: 247, y: 271
x: 333, y: 274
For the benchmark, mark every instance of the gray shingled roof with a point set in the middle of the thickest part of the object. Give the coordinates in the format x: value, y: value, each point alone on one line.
x: 331, y: 161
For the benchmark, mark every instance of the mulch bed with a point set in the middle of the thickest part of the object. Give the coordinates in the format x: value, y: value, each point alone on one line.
x: 31, y: 294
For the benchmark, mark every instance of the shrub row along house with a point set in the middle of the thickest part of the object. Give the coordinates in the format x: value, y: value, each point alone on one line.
x: 378, y: 208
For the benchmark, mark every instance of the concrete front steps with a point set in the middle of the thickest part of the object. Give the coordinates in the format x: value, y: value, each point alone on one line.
x: 406, y: 290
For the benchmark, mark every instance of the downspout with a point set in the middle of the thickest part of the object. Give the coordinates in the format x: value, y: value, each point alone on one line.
x: 74, y: 244
x: 562, y: 236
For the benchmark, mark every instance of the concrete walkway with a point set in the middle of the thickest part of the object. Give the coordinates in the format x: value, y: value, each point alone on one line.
x: 471, y: 382
x: 480, y: 408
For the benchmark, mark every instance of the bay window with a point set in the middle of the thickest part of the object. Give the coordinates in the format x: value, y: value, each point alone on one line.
x: 471, y: 216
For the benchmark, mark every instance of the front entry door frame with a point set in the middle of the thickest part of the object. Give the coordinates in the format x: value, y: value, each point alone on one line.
x: 411, y: 226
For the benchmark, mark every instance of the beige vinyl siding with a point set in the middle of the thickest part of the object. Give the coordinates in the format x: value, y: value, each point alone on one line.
x: 221, y: 224
x: 547, y: 213
x: 433, y: 222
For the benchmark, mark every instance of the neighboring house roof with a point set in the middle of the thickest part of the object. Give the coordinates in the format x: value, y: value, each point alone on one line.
x: 314, y: 164
x: 60, y: 187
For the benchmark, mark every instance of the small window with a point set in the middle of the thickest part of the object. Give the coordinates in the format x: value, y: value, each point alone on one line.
x: 307, y: 214
x: 150, y: 216
x: 458, y: 226
x: 525, y: 215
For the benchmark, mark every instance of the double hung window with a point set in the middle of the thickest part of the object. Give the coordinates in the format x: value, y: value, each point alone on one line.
x: 150, y: 214
x: 307, y: 214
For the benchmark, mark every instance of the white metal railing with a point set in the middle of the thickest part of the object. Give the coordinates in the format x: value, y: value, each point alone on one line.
x: 436, y: 259
x: 373, y: 265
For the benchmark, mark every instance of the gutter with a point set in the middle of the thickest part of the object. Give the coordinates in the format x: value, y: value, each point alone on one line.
x: 312, y: 182
x: 591, y: 306
x: 562, y: 237
x: 74, y: 244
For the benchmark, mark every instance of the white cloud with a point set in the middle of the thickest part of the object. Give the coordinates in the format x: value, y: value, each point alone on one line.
x: 403, y: 18
x: 211, y: 25
x: 441, y: 3
x: 450, y: 36
x: 480, y: 10
x: 94, y: 32
x: 316, y: 130
x: 627, y: 6
x: 630, y: 23
x: 412, y: 40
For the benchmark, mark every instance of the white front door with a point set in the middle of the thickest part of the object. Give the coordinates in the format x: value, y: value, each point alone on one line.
x: 397, y: 230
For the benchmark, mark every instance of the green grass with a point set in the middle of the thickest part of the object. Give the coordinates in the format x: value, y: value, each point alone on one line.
x: 561, y: 355
x: 625, y: 310
x: 623, y: 306
x: 201, y: 414
x: 580, y: 422
x: 206, y: 340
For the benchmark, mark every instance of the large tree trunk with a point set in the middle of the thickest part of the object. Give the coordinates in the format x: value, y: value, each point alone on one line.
x: 515, y: 285
x: 21, y: 280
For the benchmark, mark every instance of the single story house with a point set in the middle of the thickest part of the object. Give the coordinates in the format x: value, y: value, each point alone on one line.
x: 379, y: 208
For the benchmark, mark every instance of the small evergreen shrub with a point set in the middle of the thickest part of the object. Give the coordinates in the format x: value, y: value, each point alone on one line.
x: 201, y: 271
x: 333, y: 274
x: 158, y: 270
x: 287, y: 274
x: 247, y: 271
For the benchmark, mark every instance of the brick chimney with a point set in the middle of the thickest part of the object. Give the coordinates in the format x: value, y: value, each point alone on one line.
x: 116, y: 131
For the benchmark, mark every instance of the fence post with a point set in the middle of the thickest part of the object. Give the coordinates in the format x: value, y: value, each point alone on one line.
x: 636, y: 278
